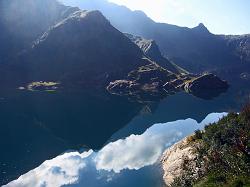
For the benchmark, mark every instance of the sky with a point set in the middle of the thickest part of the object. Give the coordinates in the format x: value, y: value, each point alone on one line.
x: 219, y: 16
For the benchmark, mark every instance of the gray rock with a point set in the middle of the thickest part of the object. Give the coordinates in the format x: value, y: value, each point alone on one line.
x: 180, y: 159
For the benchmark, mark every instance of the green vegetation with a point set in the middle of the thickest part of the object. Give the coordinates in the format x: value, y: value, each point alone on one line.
x: 223, y: 158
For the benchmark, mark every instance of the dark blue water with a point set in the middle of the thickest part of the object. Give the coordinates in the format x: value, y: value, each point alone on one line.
x: 39, y: 126
x: 131, y: 161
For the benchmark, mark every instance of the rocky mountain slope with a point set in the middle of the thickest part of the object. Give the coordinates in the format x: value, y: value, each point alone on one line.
x: 240, y: 44
x: 151, y: 49
x: 195, y: 49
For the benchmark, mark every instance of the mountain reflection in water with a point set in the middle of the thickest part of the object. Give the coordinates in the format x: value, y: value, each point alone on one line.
x: 111, y: 166
x: 38, y: 126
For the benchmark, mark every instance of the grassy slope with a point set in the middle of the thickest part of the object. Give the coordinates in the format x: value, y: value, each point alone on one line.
x: 225, y: 153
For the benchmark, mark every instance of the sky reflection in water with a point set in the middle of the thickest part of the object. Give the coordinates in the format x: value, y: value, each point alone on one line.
x: 117, y: 163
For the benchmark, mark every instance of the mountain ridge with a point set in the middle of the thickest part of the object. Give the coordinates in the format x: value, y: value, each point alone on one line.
x: 195, y: 49
x: 82, y: 50
x: 78, y: 38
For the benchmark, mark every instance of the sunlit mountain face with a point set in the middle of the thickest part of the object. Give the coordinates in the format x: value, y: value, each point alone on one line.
x: 92, y: 93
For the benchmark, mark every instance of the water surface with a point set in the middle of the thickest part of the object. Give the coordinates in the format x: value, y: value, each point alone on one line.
x: 39, y: 126
x: 132, y: 161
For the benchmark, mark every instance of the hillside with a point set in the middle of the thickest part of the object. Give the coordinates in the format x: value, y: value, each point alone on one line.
x: 217, y: 156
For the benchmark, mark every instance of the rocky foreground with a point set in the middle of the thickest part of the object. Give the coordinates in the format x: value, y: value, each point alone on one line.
x: 176, y: 160
x: 217, y: 156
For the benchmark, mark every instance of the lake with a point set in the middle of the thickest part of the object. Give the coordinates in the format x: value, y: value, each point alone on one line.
x: 86, y: 139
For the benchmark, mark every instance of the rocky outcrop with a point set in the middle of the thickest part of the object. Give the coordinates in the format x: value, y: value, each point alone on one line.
x: 143, y: 83
x: 180, y: 159
x: 205, y: 82
x: 206, y: 86
x: 154, y: 80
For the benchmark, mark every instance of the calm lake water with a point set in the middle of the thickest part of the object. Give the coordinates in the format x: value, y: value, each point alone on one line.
x: 120, y: 141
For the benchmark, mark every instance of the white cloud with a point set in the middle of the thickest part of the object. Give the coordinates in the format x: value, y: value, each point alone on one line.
x: 59, y: 171
x: 137, y: 151
x: 133, y: 153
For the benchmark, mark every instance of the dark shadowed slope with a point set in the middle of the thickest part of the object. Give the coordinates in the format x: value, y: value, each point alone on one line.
x: 21, y: 23
x: 83, y: 49
x: 71, y: 46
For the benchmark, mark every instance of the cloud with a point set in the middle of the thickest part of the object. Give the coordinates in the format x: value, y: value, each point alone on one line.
x: 137, y: 151
x: 59, y: 171
x: 132, y: 153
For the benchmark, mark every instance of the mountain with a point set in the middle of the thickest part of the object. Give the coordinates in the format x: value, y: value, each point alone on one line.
x: 151, y: 49
x: 241, y: 45
x: 21, y: 23
x: 45, y: 43
x: 81, y: 50
x: 195, y: 49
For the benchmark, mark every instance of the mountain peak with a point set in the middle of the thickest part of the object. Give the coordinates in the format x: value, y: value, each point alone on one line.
x: 84, y: 15
x: 201, y: 25
x: 201, y: 28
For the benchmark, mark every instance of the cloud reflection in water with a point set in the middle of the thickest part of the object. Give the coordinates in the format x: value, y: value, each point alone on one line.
x: 132, y: 153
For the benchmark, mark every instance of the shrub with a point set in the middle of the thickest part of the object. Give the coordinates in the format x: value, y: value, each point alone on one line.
x: 225, y: 152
